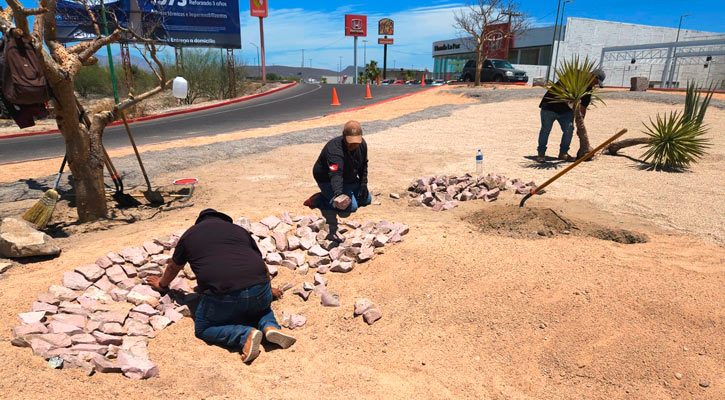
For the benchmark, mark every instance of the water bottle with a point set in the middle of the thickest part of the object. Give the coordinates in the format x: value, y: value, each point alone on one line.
x: 479, y: 162
x: 180, y: 88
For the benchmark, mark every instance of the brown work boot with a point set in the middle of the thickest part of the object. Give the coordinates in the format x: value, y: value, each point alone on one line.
x: 276, y: 336
x: 541, y: 158
x: 566, y: 157
x: 250, y: 351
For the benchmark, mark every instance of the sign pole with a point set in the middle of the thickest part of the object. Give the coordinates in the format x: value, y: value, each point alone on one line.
x: 354, y: 60
x: 385, y: 60
x: 261, y: 42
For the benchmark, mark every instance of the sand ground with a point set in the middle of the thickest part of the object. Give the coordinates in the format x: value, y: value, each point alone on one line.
x: 466, y: 314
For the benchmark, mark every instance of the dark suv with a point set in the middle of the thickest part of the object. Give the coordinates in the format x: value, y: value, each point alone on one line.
x: 493, y: 71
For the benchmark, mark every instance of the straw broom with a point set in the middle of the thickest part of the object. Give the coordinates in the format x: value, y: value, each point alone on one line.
x: 40, y: 213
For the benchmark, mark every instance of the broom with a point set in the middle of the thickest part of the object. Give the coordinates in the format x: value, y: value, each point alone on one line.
x: 40, y: 213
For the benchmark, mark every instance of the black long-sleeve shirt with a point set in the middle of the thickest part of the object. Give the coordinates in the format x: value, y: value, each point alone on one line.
x: 337, y: 165
x: 548, y: 102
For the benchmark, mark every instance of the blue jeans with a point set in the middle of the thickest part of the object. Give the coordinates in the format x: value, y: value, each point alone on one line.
x: 350, y: 189
x: 566, y: 122
x: 228, y: 319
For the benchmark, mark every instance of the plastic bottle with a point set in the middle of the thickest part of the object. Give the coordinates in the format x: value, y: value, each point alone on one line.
x: 479, y: 162
x: 179, y: 87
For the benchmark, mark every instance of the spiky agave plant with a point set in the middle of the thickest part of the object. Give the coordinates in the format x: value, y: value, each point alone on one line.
x: 674, y: 142
x: 576, y: 80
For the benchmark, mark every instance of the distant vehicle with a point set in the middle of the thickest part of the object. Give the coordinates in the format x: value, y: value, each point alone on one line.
x: 398, y: 82
x: 386, y: 82
x: 493, y: 71
x: 428, y: 81
x: 438, y: 82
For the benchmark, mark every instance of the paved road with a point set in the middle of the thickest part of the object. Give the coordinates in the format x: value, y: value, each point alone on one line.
x: 297, y: 103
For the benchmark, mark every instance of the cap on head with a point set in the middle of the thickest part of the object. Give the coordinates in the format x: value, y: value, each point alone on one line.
x: 208, y: 212
x: 601, y: 76
x: 352, y: 132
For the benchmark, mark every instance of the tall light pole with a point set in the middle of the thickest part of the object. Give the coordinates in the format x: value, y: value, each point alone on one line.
x: 339, y: 74
x: 556, y: 58
x: 674, y: 52
x: 553, y: 41
x: 258, y: 64
x: 365, y: 60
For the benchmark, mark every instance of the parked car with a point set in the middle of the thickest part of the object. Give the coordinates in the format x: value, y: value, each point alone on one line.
x: 386, y: 82
x: 493, y: 71
x: 398, y: 82
x: 438, y: 82
x: 428, y: 81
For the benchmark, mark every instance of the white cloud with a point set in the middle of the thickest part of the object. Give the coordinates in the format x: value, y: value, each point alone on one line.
x: 321, y: 34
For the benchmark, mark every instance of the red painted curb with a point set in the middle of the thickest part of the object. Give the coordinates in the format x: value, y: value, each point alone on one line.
x: 170, y: 114
x: 383, y: 101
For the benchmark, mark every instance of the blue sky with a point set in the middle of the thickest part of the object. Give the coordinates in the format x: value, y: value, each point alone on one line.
x: 317, y: 26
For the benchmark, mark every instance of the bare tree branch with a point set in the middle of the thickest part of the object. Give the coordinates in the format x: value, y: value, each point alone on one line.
x: 98, y: 43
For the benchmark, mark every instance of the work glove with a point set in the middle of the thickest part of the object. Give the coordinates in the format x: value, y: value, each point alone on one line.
x: 341, y: 202
x: 362, y: 194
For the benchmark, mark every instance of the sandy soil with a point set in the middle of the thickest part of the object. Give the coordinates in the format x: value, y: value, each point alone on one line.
x: 466, y: 314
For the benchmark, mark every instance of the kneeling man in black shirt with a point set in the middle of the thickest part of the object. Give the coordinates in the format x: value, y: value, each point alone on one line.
x: 236, y: 294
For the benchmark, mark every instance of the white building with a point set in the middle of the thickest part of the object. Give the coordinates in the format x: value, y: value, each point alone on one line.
x: 533, y: 50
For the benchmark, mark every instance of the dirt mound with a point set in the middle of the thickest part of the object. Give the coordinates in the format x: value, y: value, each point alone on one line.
x: 534, y: 223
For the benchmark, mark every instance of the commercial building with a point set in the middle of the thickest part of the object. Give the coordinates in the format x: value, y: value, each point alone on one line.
x: 623, y: 50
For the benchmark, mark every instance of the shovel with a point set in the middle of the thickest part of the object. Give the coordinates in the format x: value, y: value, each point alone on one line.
x: 152, y: 196
x: 569, y: 168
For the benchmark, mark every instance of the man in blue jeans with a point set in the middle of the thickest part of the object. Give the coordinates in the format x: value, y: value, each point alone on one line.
x: 234, y: 283
x: 341, y: 173
x: 555, y: 111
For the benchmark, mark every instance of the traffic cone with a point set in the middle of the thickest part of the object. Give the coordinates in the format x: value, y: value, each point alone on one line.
x: 368, y: 96
x: 422, y: 81
x: 335, y: 101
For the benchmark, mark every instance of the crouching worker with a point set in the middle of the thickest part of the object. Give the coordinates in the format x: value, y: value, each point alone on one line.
x: 236, y: 294
x: 341, y: 172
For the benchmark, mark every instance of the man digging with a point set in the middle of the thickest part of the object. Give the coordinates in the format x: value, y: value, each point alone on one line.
x: 341, y: 173
x: 234, y: 311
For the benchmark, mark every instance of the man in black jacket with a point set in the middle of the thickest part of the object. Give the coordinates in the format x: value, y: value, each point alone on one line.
x: 341, y: 172
x: 234, y: 283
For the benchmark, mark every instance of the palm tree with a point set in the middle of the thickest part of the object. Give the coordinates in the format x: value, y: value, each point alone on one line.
x: 373, y: 72
x: 576, y: 80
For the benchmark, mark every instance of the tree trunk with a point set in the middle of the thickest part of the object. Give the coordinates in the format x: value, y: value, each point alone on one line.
x: 613, y: 148
x: 581, y: 132
x: 85, y: 155
x: 479, y: 66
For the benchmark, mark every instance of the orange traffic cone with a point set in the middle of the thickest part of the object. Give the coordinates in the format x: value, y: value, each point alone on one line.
x: 368, y: 96
x: 335, y: 101
x: 422, y: 81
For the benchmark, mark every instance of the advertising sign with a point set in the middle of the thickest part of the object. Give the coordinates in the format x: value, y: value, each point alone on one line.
x: 356, y: 25
x: 258, y: 8
x: 385, y: 26
x: 498, y: 44
x: 178, y: 23
x: 385, y: 40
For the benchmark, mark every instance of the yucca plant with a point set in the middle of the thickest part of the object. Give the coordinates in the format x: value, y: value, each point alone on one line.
x: 576, y: 80
x: 674, y: 141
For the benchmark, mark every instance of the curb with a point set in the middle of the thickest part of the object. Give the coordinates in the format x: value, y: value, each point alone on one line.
x: 169, y: 114
x: 382, y: 101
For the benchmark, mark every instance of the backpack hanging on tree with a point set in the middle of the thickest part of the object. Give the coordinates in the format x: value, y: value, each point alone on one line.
x: 23, y: 80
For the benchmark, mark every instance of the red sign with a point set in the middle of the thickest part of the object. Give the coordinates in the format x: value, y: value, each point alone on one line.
x: 385, y: 40
x: 258, y: 8
x: 356, y: 25
x: 498, y: 42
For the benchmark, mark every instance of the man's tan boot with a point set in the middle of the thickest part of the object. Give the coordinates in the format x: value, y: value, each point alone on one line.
x: 250, y: 351
x: 276, y: 336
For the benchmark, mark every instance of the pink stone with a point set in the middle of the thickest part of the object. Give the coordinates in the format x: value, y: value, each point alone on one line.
x: 270, y: 222
x: 57, y: 340
x: 127, y: 284
x: 272, y: 270
x: 396, y: 238
x: 329, y: 299
x: 343, y: 267
x: 293, y: 243
x: 181, y: 284
x: 129, y: 270
x: 320, y: 280
x: 372, y: 315
x: 292, y: 321
x: 112, y: 328
x: 274, y: 259
x: 72, y: 319
x: 145, y: 309
x: 111, y: 316
x: 308, y: 241
x: 104, y: 284
x: 135, y: 255
x: 136, y: 328
x: 323, y: 269
x: 184, y: 310
x: 365, y: 254
x: 294, y: 256
x: 91, y: 272
x: 68, y: 307
x: 40, y: 347
x: 318, y: 251
x: 118, y: 294
x: 143, y: 294
x: 104, y: 262
x: 160, y: 259
x: 90, y: 348
x: 39, y: 306
x: 380, y: 240
x: 62, y: 327
x: 31, y: 317
x: 75, y: 281
x: 83, y: 338
x: 280, y: 241
x: 153, y: 248
x: 104, y: 365
x: 139, y: 317
x: 49, y: 299
x: 336, y: 252
x: 116, y: 274
x: 136, y: 367
x: 106, y: 339
x: 304, y: 294
x: 115, y: 258
x: 36, y: 327
x: 168, y: 242
x: 94, y: 293
x: 287, y: 219
x: 159, y: 322
x: 173, y: 315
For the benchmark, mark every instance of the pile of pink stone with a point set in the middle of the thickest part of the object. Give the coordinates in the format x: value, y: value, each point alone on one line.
x: 441, y: 193
x: 103, y: 315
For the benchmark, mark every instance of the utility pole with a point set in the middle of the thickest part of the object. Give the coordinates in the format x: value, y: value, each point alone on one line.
x: 674, y: 53
x: 302, y: 71
x: 556, y: 58
x: 339, y: 73
x: 365, y: 60
x: 553, y: 41
x: 508, y: 38
x: 258, y: 64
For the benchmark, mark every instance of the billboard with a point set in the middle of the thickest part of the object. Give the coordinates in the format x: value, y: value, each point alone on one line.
x: 258, y: 8
x: 178, y: 23
x: 497, y: 41
x: 356, y: 25
x: 385, y: 26
x: 385, y: 40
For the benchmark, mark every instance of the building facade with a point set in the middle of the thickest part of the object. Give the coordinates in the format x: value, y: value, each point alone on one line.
x: 534, y: 50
